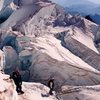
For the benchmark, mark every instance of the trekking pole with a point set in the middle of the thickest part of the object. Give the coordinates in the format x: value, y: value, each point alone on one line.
x: 58, y: 97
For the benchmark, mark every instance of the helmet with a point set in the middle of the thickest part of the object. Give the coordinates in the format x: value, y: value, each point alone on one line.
x: 52, y: 79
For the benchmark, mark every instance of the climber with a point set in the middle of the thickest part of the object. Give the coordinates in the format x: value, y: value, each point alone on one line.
x: 51, y: 86
x: 19, y: 2
x: 16, y: 76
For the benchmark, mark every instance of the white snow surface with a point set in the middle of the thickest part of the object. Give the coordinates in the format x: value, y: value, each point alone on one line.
x: 32, y: 91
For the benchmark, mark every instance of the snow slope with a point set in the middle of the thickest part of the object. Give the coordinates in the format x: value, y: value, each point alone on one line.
x: 50, y: 59
x: 76, y: 34
x: 53, y: 48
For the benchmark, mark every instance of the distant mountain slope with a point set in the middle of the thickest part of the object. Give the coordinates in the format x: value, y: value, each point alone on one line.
x: 96, y: 18
x: 89, y: 18
x: 93, y: 18
x: 68, y: 3
x: 97, y: 10
x: 84, y: 9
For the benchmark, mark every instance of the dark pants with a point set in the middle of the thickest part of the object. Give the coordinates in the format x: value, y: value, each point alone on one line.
x: 50, y: 92
x: 18, y: 88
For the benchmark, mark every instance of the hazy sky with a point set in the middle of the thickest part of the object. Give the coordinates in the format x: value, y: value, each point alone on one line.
x: 95, y: 1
